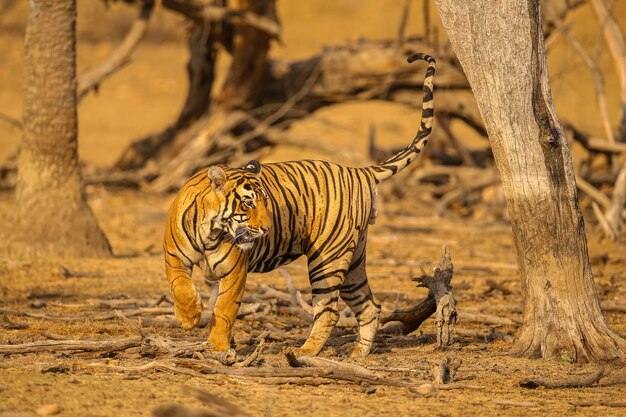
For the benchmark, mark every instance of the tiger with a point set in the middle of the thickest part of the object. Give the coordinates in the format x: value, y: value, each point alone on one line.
x: 232, y: 221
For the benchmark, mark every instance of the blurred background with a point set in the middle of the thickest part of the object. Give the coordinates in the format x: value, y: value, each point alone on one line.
x: 148, y: 93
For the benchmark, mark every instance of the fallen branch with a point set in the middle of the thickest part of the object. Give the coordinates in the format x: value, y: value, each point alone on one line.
x: 255, y: 354
x: 308, y: 372
x: 312, y: 361
x: 439, y: 292
x: 584, y: 382
x: 75, y: 345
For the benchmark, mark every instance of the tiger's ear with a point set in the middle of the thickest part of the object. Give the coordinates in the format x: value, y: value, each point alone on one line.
x: 217, y: 176
x: 253, y: 166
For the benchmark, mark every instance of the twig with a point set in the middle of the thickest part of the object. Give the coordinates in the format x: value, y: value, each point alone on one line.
x: 602, y: 221
x: 584, y: 382
x: 92, y: 78
x: 465, y: 154
x: 302, y: 303
x: 11, y: 120
x: 254, y: 355
x: 404, y: 18
x: 493, y: 286
x: 592, y: 192
x: 597, y: 404
x: 293, y: 295
x: 598, y: 79
x: 617, y: 46
x: 618, y: 200
x: 517, y: 403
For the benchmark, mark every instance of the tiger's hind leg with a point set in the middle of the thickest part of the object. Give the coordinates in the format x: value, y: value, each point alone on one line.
x: 326, y: 279
x: 357, y: 294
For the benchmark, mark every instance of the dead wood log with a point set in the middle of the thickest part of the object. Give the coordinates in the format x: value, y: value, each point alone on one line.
x: 584, y: 382
x: 312, y: 361
x: 72, y: 345
x: 439, y: 301
x: 91, y: 79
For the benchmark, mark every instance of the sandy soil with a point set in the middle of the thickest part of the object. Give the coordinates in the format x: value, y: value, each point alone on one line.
x: 145, y: 97
x: 134, y: 223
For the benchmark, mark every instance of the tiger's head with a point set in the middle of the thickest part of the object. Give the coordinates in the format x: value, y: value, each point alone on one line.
x: 244, y: 214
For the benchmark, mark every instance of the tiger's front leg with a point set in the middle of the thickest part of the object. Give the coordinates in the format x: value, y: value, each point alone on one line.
x: 231, y: 290
x: 187, y: 301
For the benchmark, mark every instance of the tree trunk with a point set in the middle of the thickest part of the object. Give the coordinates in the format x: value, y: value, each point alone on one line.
x: 52, y: 217
x: 500, y: 46
x: 249, y: 50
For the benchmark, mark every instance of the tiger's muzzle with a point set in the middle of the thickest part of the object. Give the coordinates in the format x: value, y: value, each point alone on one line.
x: 245, y: 237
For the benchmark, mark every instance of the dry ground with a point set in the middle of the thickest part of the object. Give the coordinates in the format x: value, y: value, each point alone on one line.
x: 401, y: 241
x: 145, y: 97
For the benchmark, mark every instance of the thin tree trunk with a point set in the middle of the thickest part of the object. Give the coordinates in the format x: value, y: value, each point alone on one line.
x: 52, y: 217
x: 500, y: 46
x: 617, y: 46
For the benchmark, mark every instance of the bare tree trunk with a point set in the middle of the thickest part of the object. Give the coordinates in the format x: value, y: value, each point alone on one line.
x: 52, y: 218
x: 500, y: 46
x: 249, y: 51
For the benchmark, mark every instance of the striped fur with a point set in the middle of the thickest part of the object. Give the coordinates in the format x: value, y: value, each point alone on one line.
x: 233, y: 221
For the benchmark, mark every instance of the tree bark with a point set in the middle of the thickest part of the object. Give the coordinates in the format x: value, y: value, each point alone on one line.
x: 500, y: 46
x: 52, y: 216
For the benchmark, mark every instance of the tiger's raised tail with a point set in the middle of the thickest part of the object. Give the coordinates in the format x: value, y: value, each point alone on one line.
x: 402, y: 159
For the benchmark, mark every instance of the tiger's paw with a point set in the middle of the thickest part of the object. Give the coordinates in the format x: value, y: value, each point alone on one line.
x: 189, y: 317
x: 355, y: 350
x: 219, y: 343
x: 301, y: 351
x: 360, y: 351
